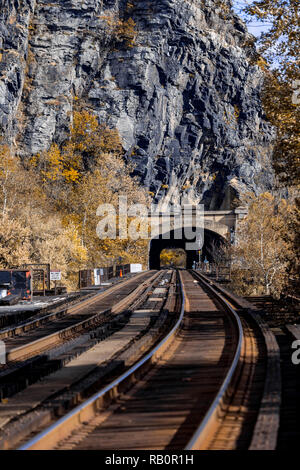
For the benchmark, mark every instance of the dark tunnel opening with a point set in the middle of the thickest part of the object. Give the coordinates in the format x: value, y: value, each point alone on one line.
x: 170, y: 241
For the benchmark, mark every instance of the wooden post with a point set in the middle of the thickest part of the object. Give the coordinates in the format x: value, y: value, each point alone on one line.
x: 48, y: 275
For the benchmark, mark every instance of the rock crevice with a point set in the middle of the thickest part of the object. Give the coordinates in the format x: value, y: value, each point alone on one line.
x: 183, y: 95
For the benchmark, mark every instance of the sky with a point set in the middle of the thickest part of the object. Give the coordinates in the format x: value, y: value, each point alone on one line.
x: 254, y: 27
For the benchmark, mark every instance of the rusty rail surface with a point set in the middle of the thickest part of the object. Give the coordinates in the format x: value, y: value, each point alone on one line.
x: 266, y: 430
x: 49, y: 437
x: 83, y: 413
x: 207, y: 423
x: 32, y: 348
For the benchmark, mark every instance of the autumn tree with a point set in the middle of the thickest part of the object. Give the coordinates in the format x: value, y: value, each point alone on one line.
x: 260, y: 257
x: 290, y: 212
x: 15, y: 246
x: 53, y: 243
x: 173, y: 256
x: 280, y: 47
x: 62, y: 169
x: 87, y: 171
x: 15, y: 182
x: 48, y: 203
x: 109, y: 179
x: 126, y: 31
x: 121, y: 30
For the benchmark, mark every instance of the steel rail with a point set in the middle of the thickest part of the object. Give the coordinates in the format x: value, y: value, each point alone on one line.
x: 40, y: 441
x: 34, y: 347
x: 46, y: 434
x: 67, y: 311
x: 194, y: 442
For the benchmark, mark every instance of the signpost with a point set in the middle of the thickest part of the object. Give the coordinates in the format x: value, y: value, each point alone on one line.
x: 55, y: 276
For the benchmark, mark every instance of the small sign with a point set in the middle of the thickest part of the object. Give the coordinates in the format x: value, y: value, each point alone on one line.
x: 97, y: 279
x: 136, y: 268
x: 55, y: 275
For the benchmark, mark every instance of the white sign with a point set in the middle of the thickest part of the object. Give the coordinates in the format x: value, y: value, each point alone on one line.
x: 55, y: 275
x: 97, y: 276
x: 3, y: 293
x: 135, y: 268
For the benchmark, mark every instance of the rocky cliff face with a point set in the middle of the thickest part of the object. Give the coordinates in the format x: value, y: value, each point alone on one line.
x: 184, y: 96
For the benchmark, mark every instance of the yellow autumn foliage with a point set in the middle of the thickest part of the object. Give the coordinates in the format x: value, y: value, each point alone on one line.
x: 263, y: 250
x: 48, y: 203
x: 173, y: 257
x: 121, y: 30
x: 279, y: 50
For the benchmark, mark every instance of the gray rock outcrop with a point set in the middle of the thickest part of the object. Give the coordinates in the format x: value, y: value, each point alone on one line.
x: 184, y: 97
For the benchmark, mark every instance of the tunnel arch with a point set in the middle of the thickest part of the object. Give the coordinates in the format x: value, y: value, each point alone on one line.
x: 171, y: 240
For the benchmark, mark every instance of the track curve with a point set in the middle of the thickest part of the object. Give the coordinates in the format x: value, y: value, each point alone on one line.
x: 167, y: 401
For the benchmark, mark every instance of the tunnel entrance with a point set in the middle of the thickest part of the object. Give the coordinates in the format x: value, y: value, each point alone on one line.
x: 169, y: 241
x: 173, y: 257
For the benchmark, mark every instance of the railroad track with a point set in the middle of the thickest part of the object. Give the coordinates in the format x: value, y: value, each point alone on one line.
x: 192, y: 385
x: 139, y: 328
x: 39, y: 351
x: 37, y: 336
